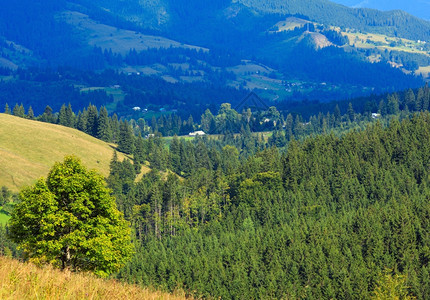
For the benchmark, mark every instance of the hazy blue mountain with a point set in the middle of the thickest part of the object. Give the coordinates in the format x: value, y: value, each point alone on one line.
x: 96, y: 34
x: 419, y: 8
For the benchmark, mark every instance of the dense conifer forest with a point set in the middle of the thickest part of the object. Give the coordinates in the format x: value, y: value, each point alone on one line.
x: 331, y: 206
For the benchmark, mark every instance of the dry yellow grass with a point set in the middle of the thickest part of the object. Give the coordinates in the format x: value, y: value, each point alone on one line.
x: 291, y: 23
x: 26, y: 281
x: 425, y: 71
x: 28, y: 149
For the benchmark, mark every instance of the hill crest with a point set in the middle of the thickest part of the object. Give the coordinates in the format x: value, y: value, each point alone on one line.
x: 28, y: 149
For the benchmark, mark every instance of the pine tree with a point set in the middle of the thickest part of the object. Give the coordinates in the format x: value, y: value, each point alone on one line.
x: 337, y: 116
x: 18, y: 111
x: 30, y: 113
x: 426, y: 97
x: 419, y: 103
x: 393, y: 104
x: 82, y: 121
x: 174, y: 153
x: 409, y: 99
x: 139, y: 151
x: 6, y: 109
x: 350, y: 112
x: 92, y: 116
x: 104, y: 131
x: 70, y: 116
x: 62, y: 119
x: 126, y: 138
x: 115, y: 128
x: 47, y: 115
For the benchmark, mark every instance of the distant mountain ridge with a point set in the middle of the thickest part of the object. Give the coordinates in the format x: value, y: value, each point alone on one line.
x: 336, y: 46
x: 42, y: 26
x: 419, y: 8
x: 165, y: 14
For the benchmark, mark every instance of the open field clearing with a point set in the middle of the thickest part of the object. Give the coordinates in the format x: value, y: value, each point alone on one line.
x: 119, y: 40
x: 28, y: 149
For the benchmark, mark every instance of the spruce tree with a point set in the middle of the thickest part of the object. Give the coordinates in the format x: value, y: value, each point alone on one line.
x: 115, y: 128
x: 62, y: 115
x: 337, y: 116
x: 6, y: 109
x: 18, y: 111
x: 350, y: 112
x: 104, y: 131
x: 92, y: 116
x: 47, y: 115
x: 126, y: 138
x: 82, y: 121
x: 30, y: 113
x: 70, y: 116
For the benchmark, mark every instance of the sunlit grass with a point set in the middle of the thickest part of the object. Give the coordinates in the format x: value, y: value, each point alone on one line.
x: 3, y: 217
x: 26, y: 281
x: 28, y: 149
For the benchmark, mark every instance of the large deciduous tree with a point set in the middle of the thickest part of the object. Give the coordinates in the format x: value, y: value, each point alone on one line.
x: 71, y: 220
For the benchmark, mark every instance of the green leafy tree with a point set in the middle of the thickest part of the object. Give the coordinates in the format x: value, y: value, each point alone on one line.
x: 391, y: 287
x: 71, y: 221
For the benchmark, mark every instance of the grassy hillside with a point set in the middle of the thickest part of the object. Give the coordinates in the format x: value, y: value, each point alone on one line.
x: 3, y: 217
x: 26, y: 281
x: 28, y: 149
x: 118, y: 40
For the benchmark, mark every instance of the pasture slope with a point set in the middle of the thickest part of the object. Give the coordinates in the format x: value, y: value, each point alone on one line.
x: 26, y: 281
x: 28, y: 149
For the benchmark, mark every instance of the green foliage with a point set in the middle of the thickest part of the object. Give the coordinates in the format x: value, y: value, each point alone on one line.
x: 18, y: 111
x: 126, y: 138
x: 104, y: 131
x: 6, y: 109
x: 322, y: 220
x: 389, y: 287
x: 66, y: 117
x: 71, y: 221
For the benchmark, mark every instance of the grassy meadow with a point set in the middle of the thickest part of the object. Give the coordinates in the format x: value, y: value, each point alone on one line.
x: 26, y: 281
x: 4, y: 217
x: 28, y: 149
x: 119, y: 40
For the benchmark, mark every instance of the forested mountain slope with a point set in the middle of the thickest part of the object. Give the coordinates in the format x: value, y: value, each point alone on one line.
x: 169, y: 14
x: 327, y: 12
x: 419, y: 8
x: 325, y: 220
x: 125, y: 36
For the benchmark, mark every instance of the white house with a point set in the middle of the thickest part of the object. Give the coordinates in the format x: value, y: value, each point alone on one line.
x: 199, y: 132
